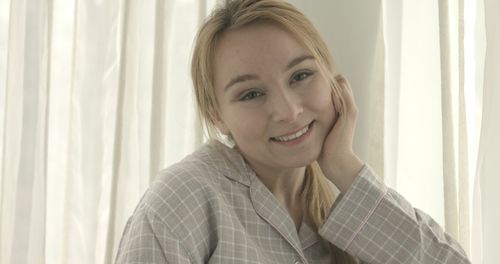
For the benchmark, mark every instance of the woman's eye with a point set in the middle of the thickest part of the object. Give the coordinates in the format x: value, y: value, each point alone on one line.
x: 301, y: 76
x: 250, y: 95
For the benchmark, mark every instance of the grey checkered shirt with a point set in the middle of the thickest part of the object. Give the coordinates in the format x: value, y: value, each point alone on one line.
x: 212, y: 208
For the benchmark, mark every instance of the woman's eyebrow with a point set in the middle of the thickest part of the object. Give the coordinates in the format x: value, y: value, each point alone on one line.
x: 298, y: 60
x: 240, y: 78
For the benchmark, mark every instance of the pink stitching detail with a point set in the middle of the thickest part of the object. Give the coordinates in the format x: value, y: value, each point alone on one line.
x: 366, y: 218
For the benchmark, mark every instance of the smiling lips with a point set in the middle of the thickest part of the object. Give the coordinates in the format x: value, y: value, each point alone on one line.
x: 293, y: 136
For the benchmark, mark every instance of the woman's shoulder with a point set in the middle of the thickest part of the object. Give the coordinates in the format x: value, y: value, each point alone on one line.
x: 195, y: 181
x: 191, y: 199
x: 210, y: 163
x: 190, y: 195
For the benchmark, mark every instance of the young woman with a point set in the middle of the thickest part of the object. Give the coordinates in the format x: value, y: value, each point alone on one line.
x: 265, y: 81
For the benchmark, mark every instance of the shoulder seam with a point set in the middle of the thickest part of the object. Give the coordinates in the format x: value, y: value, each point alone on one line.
x: 150, y: 210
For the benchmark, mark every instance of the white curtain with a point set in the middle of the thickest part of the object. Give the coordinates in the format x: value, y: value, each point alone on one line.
x: 95, y: 98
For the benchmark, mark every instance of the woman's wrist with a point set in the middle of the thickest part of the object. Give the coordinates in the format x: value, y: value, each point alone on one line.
x: 343, y: 172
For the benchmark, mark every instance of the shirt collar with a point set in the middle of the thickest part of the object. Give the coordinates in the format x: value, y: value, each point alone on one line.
x: 230, y: 162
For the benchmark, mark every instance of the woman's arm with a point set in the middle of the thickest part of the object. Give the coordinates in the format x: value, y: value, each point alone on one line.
x: 377, y: 225
x: 140, y: 242
x: 370, y: 221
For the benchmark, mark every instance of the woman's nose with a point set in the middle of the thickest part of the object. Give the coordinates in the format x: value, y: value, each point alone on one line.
x: 285, y: 107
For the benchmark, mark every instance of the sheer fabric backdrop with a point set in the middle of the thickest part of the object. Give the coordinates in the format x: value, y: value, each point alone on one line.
x: 95, y: 98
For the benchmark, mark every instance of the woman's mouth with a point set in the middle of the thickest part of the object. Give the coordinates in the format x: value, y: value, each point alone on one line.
x: 295, y: 137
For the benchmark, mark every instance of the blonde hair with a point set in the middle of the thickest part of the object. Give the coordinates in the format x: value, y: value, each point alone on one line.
x: 239, y: 13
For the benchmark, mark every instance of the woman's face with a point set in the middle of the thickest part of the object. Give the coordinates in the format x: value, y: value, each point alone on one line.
x: 273, y: 99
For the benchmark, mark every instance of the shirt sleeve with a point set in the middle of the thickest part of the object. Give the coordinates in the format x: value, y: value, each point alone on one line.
x: 146, y: 239
x: 377, y: 225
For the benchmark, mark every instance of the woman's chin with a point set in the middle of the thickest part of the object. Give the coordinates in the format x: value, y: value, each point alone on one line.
x: 303, y: 161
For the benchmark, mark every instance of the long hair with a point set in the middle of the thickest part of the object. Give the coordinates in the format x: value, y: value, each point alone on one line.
x: 239, y: 13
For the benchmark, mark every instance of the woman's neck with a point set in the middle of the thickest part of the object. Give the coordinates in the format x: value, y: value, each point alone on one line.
x: 287, y: 186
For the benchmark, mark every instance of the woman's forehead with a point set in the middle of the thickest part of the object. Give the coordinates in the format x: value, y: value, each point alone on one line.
x: 256, y: 46
x: 263, y: 36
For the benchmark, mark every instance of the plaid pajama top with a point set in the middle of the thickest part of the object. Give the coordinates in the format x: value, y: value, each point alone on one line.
x: 212, y: 208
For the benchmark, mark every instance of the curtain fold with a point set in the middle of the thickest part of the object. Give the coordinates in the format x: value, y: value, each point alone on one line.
x: 25, y: 110
x: 447, y: 92
x: 486, y: 196
x: 392, y: 36
x: 95, y: 95
x: 455, y: 154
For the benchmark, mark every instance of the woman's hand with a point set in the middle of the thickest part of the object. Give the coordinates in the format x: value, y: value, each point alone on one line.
x: 337, y: 160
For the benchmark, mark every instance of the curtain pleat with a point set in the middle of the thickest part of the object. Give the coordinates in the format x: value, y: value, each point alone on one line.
x: 60, y: 76
x: 24, y: 146
x: 133, y: 149
x: 392, y: 37
x: 462, y: 161
x: 163, y: 14
x: 120, y: 136
x: 95, y: 98
x: 376, y: 154
x: 447, y: 92
x: 487, y: 195
x: 455, y: 160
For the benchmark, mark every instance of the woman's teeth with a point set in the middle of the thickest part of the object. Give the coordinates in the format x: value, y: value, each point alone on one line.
x: 293, y: 136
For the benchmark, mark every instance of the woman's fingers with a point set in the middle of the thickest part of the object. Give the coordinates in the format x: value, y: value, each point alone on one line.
x: 348, y: 97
